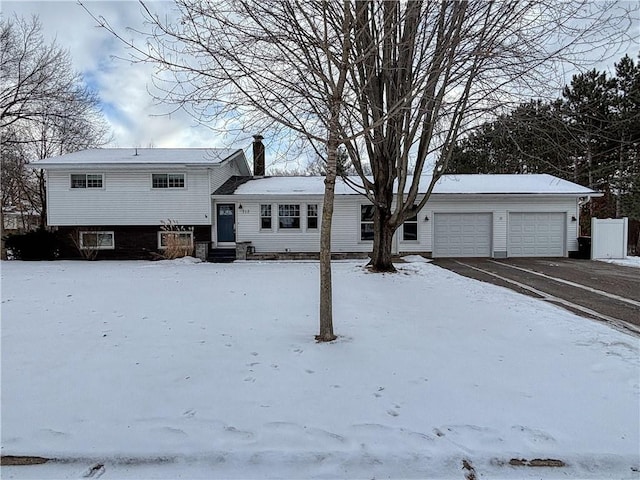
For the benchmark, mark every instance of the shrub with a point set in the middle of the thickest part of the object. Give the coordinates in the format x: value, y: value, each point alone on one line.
x: 37, y: 245
x: 175, y: 244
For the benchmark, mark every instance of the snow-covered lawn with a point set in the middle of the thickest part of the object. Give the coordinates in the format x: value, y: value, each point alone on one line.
x: 627, y: 261
x: 210, y: 371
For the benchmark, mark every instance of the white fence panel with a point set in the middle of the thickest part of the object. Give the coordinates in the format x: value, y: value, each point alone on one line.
x: 609, y: 238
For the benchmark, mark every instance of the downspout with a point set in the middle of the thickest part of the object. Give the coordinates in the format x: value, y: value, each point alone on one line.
x: 581, y: 202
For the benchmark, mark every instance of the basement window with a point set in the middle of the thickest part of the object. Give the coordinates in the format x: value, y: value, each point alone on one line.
x: 86, y: 180
x: 366, y: 222
x: 288, y: 216
x: 167, y: 180
x: 97, y: 241
x: 182, y: 239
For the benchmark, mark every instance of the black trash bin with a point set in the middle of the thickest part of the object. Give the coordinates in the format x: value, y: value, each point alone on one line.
x: 584, y: 247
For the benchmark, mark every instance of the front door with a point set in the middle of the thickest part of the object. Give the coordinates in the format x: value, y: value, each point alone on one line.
x: 226, y: 222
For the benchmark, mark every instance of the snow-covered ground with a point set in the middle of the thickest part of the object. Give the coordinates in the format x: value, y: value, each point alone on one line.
x: 627, y: 261
x: 184, y: 370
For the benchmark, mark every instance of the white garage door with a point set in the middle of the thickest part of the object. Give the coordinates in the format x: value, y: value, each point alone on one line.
x: 462, y: 235
x: 536, y: 235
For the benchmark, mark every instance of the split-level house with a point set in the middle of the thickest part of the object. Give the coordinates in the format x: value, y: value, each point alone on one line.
x: 120, y: 198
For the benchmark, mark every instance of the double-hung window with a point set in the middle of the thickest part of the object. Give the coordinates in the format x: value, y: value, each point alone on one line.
x: 410, y: 227
x: 265, y: 217
x: 167, y: 180
x: 97, y: 241
x: 288, y: 216
x: 366, y: 222
x: 312, y: 217
x: 86, y: 180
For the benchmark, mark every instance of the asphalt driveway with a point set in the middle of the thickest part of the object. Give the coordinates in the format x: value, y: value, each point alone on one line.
x: 599, y: 290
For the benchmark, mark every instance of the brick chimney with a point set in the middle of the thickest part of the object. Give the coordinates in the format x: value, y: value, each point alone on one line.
x: 258, y: 156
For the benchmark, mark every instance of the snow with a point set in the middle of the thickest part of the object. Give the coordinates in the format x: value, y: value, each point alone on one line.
x: 135, y: 156
x: 448, y: 184
x: 627, y: 261
x: 195, y: 370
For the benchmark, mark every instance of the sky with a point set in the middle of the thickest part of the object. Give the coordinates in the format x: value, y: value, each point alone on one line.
x: 136, y: 120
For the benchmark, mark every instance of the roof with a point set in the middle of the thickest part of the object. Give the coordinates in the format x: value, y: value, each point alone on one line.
x: 99, y: 157
x: 448, y: 184
x: 231, y: 185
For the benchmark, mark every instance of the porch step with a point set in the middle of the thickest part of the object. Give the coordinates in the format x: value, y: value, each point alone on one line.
x: 221, y: 255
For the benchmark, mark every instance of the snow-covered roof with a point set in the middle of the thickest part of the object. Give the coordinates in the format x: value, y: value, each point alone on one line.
x: 138, y: 156
x: 448, y: 184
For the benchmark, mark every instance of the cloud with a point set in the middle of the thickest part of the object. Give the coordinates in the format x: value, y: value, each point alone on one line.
x: 135, y: 118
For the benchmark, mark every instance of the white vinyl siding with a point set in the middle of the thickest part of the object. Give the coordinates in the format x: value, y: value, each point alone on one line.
x: 221, y: 173
x: 128, y: 199
x: 346, y: 221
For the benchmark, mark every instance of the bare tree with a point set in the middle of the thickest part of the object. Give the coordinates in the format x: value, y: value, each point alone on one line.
x: 270, y: 62
x: 394, y: 82
x: 433, y: 69
x: 45, y: 110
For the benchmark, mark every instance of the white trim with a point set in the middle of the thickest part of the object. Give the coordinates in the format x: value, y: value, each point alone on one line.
x: 260, y: 217
x: 317, y: 217
x: 97, y: 247
x: 411, y: 222
x: 299, y: 217
x: 359, y: 230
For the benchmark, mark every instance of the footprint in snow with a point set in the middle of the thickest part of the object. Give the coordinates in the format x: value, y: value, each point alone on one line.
x: 309, y: 371
x: 393, y: 413
x: 250, y: 379
x: 189, y: 413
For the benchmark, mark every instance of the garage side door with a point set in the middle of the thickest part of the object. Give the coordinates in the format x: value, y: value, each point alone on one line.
x: 536, y: 235
x: 462, y: 235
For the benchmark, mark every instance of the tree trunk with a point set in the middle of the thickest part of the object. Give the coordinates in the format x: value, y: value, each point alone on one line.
x: 3, y: 250
x: 381, y: 257
x: 326, y: 299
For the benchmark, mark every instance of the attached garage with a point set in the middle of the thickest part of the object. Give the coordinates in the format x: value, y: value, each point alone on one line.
x: 462, y: 235
x: 536, y: 234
